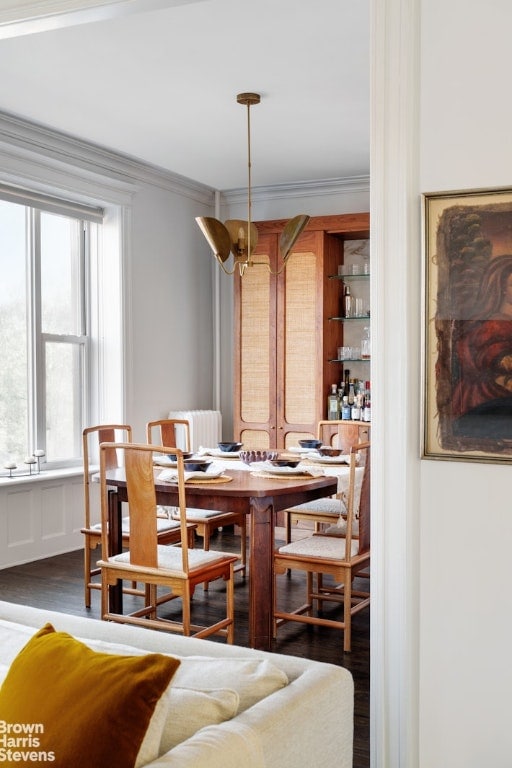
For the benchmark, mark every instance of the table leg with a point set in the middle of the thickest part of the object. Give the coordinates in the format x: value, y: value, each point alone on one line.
x: 115, y: 515
x: 261, y: 581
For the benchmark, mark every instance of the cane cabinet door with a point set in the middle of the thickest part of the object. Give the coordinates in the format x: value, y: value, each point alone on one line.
x: 280, y: 355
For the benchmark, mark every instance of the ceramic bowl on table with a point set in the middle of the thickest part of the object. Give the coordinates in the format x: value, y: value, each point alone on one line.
x: 326, y: 451
x: 174, y: 457
x: 229, y: 447
x: 310, y: 443
x: 279, y: 462
x: 250, y: 457
x: 196, y: 465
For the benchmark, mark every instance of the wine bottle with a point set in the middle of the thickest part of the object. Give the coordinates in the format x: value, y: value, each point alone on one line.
x: 347, y: 302
x: 367, y: 412
x: 333, y: 404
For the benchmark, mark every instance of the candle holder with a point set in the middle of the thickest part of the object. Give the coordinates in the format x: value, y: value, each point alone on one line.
x: 38, y: 453
x: 33, y: 463
x: 30, y: 461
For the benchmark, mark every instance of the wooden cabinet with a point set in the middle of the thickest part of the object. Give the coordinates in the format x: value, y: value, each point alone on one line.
x: 284, y: 340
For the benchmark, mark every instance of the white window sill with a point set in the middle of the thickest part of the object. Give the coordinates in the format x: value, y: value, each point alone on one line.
x: 45, y: 474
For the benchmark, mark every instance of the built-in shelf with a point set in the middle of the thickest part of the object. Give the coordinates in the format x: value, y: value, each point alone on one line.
x: 360, y: 276
x: 351, y: 360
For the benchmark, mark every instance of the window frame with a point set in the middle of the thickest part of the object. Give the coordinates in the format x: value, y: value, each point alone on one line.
x: 38, y: 340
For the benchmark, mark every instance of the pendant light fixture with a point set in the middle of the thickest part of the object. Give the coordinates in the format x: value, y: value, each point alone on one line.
x: 238, y: 237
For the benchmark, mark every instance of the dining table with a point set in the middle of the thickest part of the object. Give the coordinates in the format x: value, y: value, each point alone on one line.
x: 258, y: 495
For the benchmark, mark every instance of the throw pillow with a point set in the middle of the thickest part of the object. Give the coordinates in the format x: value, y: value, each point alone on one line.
x: 65, y: 703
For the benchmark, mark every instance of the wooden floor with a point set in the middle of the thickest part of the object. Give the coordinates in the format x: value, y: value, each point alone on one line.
x: 56, y: 584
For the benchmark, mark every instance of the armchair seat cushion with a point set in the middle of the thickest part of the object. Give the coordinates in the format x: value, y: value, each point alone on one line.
x: 320, y: 546
x: 324, y: 506
x: 162, y: 524
x: 169, y: 558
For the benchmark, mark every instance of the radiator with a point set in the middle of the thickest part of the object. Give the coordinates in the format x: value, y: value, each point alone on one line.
x: 205, y: 428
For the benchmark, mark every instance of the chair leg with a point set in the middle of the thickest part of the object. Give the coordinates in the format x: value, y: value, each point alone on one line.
x: 243, y: 545
x: 230, y: 606
x: 287, y: 526
x: 105, y: 607
x: 88, y: 547
x: 186, y: 610
x: 87, y: 573
x: 347, y: 612
x: 274, y: 607
x: 309, y: 589
x: 206, y: 547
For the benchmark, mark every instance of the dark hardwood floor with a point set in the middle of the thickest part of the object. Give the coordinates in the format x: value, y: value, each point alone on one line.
x: 56, y: 583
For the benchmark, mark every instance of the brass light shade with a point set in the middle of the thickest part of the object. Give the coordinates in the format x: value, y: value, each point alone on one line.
x: 239, y: 238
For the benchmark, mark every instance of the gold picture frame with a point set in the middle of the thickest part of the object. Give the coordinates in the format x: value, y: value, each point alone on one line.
x: 467, y: 363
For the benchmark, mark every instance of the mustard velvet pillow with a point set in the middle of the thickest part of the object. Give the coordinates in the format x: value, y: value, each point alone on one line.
x: 64, y: 703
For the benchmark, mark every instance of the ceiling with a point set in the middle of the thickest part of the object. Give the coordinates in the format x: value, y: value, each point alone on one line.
x: 160, y: 85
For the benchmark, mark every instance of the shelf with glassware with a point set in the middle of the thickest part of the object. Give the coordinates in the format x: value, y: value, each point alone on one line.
x: 351, y: 399
x: 353, y: 310
x: 355, y: 354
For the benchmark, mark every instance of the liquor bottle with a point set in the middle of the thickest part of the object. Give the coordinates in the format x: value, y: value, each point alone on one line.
x: 346, y: 383
x: 333, y: 405
x: 347, y: 302
x: 356, y: 408
x: 345, y: 409
x: 351, y: 393
x: 367, y: 412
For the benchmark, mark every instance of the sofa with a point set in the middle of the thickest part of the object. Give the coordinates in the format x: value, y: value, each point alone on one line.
x: 225, y: 706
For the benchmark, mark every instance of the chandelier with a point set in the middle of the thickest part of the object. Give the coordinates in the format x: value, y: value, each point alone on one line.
x: 239, y: 238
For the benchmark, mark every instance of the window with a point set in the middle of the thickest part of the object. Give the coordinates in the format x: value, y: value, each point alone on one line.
x: 45, y: 258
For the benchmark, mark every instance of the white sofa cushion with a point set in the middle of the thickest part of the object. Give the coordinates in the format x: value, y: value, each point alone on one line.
x: 252, y: 679
x: 207, y: 692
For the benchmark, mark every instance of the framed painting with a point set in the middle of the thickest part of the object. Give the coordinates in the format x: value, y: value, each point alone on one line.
x: 467, y: 365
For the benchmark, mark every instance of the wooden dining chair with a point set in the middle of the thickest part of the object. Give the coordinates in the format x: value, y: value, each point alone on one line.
x: 343, y: 434
x: 207, y: 522
x: 337, y: 434
x: 168, y: 431
x: 339, y: 557
x: 178, y: 569
x: 168, y: 530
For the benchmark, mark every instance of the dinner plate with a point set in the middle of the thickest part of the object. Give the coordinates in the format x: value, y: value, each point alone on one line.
x: 171, y: 476
x: 164, y: 461
x: 222, y: 454
x: 270, y: 469
x: 343, y: 459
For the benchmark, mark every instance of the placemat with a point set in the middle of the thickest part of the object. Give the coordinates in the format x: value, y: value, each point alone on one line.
x: 210, y: 481
x: 301, y: 476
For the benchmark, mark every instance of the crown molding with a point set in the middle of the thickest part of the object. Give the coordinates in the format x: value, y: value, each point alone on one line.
x: 26, y: 138
x: 22, y: 17
x: 341, y: 186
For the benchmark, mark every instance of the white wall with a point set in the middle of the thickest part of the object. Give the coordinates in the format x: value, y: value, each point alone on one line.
x: 465, y: 509
x: 170, y: 290
x: 441, y: 530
